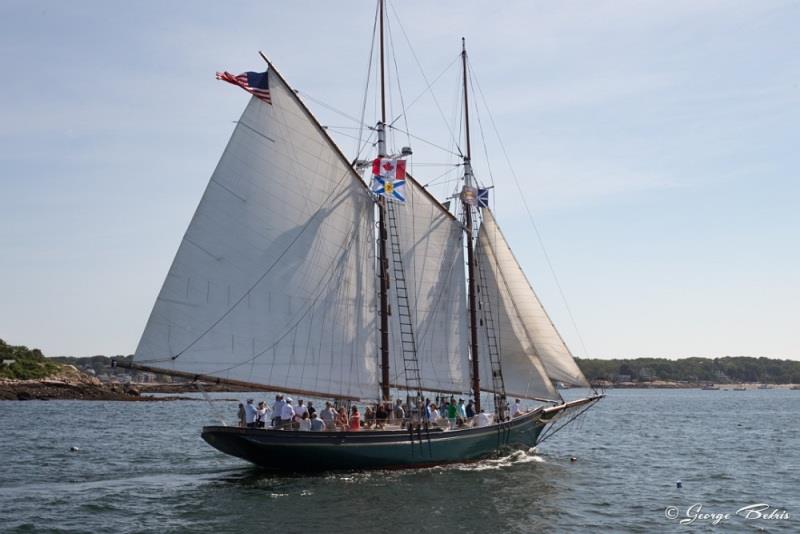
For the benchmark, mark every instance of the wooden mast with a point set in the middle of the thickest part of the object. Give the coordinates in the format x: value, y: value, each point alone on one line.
x: 383, y: 266
x: 467, y: 206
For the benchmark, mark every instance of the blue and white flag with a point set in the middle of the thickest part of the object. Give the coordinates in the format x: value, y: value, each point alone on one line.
x: 389, y: 179
x: 483, y: 198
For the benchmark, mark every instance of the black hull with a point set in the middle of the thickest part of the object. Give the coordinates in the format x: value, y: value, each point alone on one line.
x: 293, y: 451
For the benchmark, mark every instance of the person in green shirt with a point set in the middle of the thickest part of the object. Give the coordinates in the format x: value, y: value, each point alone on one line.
x: 452, y: 411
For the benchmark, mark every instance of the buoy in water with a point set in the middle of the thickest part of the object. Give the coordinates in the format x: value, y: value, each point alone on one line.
x: 679, y: 484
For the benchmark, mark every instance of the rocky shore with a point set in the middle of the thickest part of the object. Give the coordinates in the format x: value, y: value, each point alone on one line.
x: 71, y: 384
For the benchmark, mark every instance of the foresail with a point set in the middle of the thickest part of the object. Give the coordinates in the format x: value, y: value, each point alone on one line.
x: 433, y: 261
x: 274, y: 280
x: 527, y: 336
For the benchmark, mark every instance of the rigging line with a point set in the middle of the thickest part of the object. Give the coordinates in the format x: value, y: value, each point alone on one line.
x: 207, y: 397
x: 337, y: 132
x: 445, y: 173
x: 530, y: 215
x: 341, y: 127
x: 427, y: 90
x: 269, y: 269
x: 480, y: 127
x: 440, y: 147
x: 555, y: 429
x: 327, y: 106
x: 397, y: 79
x: 424, y: 77
x: 366, y: 86
x: 293, y: 328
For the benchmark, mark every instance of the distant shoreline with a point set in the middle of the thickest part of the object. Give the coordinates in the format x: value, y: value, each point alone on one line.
x: 74, y: 388
x: 680, y: 385
x: 88, y: 388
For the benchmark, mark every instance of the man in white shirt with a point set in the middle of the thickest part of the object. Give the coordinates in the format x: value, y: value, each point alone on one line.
x: 287, y: 414
x: 516, y: 409
x: 299, y: 410
x: 277, y: 410
x: 329, y: 416
x: 482, y: 419
x: 250, y: 413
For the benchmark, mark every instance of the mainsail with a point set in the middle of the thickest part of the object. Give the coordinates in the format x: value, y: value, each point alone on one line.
x: 532, y: 351
x: 433, y: 263
x: 274, y: 280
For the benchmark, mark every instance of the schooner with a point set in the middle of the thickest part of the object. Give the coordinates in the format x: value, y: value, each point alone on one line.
x: 296, y: 276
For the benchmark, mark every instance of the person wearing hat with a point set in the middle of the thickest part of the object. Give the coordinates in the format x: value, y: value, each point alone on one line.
x: 287, y: 414
x: 250, y: 413
x: 261, y: 414
x: 470, y: 409
x: 277, y: 408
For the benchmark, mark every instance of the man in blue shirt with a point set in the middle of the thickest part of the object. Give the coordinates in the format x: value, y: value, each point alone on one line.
x: 250, y: 414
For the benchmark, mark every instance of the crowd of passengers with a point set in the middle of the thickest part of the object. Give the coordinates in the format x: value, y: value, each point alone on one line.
x: 285, y: 414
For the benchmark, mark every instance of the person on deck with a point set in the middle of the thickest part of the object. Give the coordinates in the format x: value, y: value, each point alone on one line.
x: 381, y: 415
x: 311, y: 409
x: 341, y: 420
x: 287, y: 414
x: 317, y: 425
x: 462, y: 410
x: 355, y: 419
x: 482, y: 419
x: 329, y: 416
x: 470, y: 409
x: 241, y: 415
x: 369, y: 417
x: 304, y: 424
x: 516, y: 409
x: 262, y: 413
x: 502, y: 409
x: 277, y: 410
x: 434, y: 414
x: 398, y: 414
x: 452, y: 413
x: 300, y: 409
x: 250, y: 414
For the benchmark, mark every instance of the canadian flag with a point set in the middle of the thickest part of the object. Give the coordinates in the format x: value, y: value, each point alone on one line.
x: 392, y: 169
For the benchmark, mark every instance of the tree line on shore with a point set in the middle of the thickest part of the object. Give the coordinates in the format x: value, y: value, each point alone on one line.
x: 21, y: 363
x: 727, y: 370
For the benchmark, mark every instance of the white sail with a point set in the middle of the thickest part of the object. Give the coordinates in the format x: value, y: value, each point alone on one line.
x: 433, y: 260
x: 532, y: 351
x: 274, y: 281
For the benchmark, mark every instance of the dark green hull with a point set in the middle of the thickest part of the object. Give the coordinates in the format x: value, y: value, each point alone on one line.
x: 290, y: 451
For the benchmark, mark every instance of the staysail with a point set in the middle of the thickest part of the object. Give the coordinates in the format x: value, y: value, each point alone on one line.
x: 532, y: 351
x: 274, y: 280
x: 433, y: 263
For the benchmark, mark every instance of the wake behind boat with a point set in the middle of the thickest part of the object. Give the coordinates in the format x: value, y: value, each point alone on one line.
x: 296, y: 276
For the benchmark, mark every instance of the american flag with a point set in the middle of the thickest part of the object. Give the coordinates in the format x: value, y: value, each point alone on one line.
x: 254, y: 83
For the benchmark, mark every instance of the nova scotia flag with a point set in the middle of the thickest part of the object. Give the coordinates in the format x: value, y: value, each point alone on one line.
x: 389, y: 179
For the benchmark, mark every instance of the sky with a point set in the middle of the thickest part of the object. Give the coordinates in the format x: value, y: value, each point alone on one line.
x: 654, y: 145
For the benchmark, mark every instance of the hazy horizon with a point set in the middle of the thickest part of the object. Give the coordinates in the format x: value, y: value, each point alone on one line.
x: 656, y: 145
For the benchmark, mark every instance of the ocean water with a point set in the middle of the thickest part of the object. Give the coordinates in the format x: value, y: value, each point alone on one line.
x: 142, y: 467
